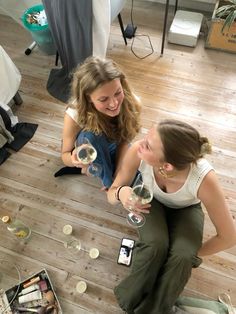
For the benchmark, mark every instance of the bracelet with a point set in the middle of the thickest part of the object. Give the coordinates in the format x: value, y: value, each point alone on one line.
x: 117, y: 193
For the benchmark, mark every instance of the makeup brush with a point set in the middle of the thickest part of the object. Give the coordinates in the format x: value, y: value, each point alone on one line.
x: 41, y: 310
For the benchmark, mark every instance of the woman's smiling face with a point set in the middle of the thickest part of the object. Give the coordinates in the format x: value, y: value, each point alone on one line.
x: 108, y: 98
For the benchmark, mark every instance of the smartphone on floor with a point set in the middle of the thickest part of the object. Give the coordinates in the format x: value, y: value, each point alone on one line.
x: 125, y: 252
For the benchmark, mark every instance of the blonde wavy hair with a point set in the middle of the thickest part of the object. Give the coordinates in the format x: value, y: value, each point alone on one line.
x: 89, y: 76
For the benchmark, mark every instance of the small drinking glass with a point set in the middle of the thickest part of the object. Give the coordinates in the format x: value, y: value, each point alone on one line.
x: 81, y: 287
x: 142, y: 192
x: 86, y: 154
x: 71, y: 242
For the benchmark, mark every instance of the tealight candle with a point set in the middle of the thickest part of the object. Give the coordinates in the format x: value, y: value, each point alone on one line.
x: 94, y: 253
x: 81, y: 287
x: 67, y: 229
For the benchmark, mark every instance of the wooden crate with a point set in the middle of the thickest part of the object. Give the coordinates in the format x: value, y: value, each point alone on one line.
x: 225, y: 41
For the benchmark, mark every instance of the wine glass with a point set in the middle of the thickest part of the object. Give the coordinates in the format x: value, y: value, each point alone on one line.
x: 70, y: 242
x: 86, y: 154
x: 73, y: 244
x: 142, y: 192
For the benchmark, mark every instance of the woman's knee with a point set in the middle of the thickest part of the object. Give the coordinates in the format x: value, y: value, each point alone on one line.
x: 159, y: 247
x: 158, y: 239
x: 147, y: 254
x: 88, y: 135
x: 186, y: 257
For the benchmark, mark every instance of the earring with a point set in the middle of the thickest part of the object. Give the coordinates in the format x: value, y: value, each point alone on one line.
x: 162, y: 172
x: 165, y: 174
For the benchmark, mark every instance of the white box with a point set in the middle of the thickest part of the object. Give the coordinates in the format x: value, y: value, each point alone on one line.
x: 185, y: 28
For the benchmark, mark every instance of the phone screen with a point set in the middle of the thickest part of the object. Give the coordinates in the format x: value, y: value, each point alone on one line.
x: 125, y: 253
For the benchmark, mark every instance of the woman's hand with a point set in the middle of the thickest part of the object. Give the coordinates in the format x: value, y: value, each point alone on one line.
x: 129, y: 202
x: 76, y: 163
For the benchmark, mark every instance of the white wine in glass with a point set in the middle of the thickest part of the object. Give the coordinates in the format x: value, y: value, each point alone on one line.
x: 142, y: 192
x: 86, y: 154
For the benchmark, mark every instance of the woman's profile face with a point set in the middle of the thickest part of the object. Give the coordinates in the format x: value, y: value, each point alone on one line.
x: 108, y: 98
x: 150, y: 148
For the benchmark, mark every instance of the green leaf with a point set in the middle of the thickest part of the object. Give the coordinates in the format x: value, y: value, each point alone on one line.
x: 229, y: 20
x: 228, y: 13
x: 222, y: 10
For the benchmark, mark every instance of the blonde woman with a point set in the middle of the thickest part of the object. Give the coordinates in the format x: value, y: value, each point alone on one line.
x: 171, y: 239
x: 105, y: 111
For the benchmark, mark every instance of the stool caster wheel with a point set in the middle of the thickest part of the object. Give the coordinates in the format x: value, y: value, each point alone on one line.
x: 28, y: 51
x: 30, y: 48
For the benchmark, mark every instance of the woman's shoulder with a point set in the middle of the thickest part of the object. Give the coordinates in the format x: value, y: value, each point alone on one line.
x: 203, y: 164
x: 200, y: 170
x: 137, y: 98
x: 132, y: 152
x: 135, y: 145
x: 131, y: 158
x: 73, y: 113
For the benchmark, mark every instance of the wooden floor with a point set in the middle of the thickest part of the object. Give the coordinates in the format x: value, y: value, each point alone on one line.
x: 192, y: 84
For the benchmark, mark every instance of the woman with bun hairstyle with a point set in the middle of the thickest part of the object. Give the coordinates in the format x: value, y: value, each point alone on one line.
x: 170, y: 242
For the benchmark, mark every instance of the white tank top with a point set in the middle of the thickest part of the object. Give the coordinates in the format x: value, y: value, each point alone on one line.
x: 73, y: 113
x: 187, y: 194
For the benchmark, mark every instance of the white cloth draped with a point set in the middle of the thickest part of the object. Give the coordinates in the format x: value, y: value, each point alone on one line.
x: 10, y: 79
x: 101, y: 26
x: 104, y: 12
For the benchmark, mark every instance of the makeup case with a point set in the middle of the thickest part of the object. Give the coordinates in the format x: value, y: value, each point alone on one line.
x: 34, y: 293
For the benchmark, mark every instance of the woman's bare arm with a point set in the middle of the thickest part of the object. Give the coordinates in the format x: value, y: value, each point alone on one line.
x: 69, y: 135
x: 212, y: 196
x: 120, y: 154
x: 125, y: 175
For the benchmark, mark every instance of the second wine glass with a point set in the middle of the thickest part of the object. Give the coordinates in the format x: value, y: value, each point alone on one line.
x: 70, y: 241
x: 142, y: 192
x: 86, y: 154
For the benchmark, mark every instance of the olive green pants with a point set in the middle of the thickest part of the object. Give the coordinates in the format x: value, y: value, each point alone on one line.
x: 162, y: 260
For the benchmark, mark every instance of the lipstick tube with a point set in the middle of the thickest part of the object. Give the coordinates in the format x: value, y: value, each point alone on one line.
x: 31, y: 282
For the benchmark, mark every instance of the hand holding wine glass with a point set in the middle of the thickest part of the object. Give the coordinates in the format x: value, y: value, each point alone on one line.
x: 142, y: 194
x: 86, y: 154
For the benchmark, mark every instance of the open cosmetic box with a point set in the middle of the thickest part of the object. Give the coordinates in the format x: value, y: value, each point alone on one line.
x: 35, y: 294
